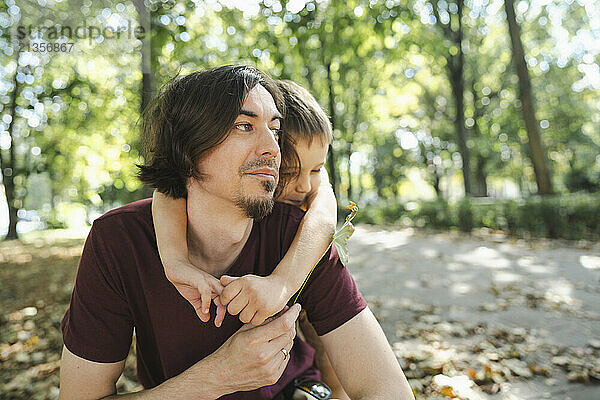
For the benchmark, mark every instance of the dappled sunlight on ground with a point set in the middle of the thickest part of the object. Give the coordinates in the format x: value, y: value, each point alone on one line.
x: 590, y: 262
x: 37, y: 277
x: 488, y: 317
x: 484, y: 256
x: 533, y: 266
x: 466, y: 317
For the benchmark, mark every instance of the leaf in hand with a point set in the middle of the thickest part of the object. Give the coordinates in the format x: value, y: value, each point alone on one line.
x: 340, y: 239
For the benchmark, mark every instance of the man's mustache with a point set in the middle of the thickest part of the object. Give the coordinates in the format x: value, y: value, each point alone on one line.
x: 259, y: 163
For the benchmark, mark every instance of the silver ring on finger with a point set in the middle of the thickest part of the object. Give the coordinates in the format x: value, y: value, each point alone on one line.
x: 285, y: 353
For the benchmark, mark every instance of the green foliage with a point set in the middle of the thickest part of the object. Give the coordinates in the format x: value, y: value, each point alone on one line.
x: 577, y: 179
x: 379, y: 69
x: 465, y: 215
x: 573, y: 216
x: 383, y: 213
x: 435, y: 214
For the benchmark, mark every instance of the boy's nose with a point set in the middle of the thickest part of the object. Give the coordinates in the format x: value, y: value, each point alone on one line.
x: 303, y: 185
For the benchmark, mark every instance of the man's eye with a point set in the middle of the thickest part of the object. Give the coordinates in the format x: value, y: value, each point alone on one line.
x: 244, y: 127
x: 316, y: 170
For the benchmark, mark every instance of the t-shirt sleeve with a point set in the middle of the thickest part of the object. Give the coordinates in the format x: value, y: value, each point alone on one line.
x: 331, y: 297
x: 98, y: 324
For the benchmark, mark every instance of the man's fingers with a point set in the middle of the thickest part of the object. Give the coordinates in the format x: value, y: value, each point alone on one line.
x: 278, y: 326
x: 258, y: 319
x: 284, y: 341
x: 287, y: 349
x: 275, y: 316
x: 280, y: 360
x: 268, y: 319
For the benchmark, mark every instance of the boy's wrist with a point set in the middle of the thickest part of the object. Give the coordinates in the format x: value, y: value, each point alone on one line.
x: 289, y: 282
x: 173, y: 261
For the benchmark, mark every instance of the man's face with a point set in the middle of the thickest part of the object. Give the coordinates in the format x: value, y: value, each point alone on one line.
x: 244, y: 168
x: 312, y: 158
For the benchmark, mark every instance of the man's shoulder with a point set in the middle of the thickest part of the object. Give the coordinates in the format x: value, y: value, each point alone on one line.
x: 284, y: 214
x: 131, y: 220
x: 278, y: 229
x: 139, y: 207
x: 288, y: 210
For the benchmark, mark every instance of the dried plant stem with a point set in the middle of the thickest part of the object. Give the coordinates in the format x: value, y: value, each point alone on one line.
x: 311, y: 270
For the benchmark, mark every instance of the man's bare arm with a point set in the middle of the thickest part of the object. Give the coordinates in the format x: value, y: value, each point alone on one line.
x: 81, y: 379
x: 364, y: 362
x: 249, y: 359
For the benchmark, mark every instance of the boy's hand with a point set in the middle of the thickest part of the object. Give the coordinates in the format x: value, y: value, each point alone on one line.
x: 198, y: 288
x: 254, y: 297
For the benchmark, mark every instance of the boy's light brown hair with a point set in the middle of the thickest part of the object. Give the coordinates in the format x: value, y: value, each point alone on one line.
x: 304, y: 118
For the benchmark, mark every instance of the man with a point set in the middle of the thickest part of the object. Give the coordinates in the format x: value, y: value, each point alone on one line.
x: 214, y: 139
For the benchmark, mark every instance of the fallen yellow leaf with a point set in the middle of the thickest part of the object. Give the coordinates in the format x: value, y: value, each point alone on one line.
x: 447, y: 391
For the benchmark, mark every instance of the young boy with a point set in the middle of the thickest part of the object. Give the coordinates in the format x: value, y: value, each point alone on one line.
x: 256, y: 298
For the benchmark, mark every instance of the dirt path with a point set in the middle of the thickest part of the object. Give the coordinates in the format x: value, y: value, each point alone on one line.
x: 470, y: 318
x: 513, y: 318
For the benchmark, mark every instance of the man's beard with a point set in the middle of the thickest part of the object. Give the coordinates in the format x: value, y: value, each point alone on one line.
x: 257, y: 207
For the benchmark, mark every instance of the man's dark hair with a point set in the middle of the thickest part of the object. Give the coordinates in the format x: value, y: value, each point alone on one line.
x: 191, y: 115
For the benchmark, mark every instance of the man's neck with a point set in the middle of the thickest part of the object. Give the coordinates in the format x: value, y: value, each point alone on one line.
x: 217, y: 232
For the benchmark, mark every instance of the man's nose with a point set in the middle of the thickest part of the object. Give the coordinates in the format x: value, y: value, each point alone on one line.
x: 268, y: 146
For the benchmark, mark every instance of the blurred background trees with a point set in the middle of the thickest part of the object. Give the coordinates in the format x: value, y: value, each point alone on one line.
x: 431, y: 102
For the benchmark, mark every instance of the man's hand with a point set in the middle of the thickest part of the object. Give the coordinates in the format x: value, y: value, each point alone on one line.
x: 252, y: 357
x: 255, y: 298
x: 198, y: 288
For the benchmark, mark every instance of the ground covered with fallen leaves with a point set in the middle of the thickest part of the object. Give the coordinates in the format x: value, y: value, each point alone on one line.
x: 469, y: 317
x: 485, y: 316
x: 37, y: 277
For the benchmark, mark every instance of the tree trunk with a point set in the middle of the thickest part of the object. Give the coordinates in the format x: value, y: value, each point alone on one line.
x: 8, y: 166
x: 331, y: 155
x: 147, y: 84
x: 458, y: 86
x: 437, y: 177
x: 536, y: 147
x: 480, y: 182
x: 144, y: 19
x: 359, y: 187
x: 456, y: 66
x: 481, y: 188
x: 349, y: 153
x: 355, y: 122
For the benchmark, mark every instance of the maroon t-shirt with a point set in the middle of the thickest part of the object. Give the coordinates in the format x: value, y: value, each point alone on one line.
x: 121, y: 285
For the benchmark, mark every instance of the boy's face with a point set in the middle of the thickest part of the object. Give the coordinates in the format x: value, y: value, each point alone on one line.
x: 312, y: 158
